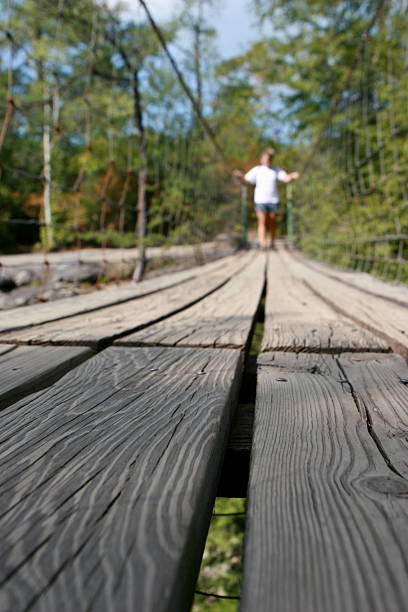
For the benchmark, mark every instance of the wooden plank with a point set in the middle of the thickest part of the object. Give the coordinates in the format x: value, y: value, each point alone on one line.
x: 297, y: 320
x: 223, y: 319
x: 103, y: 326
x: 106, y: 489
x: 392, y: 291
x: 326, y: 518
x: 378, y: 384
x: 37, y: 314
x: 7, y: 349
x: 27, y: 369
x: 386, y: 320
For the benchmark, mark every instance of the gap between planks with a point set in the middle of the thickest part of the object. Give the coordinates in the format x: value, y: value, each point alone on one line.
x: 388, y: 322
x: 64, y: 308
x: 363, y: 281
x: 27, y: 369
x: 100, y: 329
x: 224, y: 319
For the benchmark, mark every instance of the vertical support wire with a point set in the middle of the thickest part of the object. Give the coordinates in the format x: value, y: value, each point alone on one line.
x: 11, y: 53
x: 9, y: 95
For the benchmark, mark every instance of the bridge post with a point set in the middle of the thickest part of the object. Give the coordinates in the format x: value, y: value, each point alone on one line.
x: 244, y: 215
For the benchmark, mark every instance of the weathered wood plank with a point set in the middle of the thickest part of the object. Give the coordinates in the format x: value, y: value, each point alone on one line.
x: 103, y: 326
x: 27, y: 368
x: 387, y: 320
x: 377, y: 382
x: 327, y: 518
x: 108, y: 478
x: 394, y: 292
x: 7, y: 348
x: 223, y: 319
x: 297, y: 320
x: 67, y: 307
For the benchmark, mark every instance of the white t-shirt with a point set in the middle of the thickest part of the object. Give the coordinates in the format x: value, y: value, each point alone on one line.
x: 265, y: 180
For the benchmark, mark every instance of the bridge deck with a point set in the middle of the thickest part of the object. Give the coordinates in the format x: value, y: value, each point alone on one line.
x: 71, y: 306
x: 104, y: 325
x: 111, y: 461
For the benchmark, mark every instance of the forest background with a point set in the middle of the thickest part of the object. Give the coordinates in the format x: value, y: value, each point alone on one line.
x: 100, y: 145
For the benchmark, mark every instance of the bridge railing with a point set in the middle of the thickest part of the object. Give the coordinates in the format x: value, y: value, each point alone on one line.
x: 385, y: 256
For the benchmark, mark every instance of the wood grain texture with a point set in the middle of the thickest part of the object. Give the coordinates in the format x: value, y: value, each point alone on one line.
x: 327, y: 518
x: 223, y: 319
x: 297, y: 320
x: 102, y: 326
x: 7, y: 348
x: 108, y: 478
x: 37, y: 314
x: 387, y: 320
x: 378, y: 384
x: 26, y: 369
x: 392, y: 291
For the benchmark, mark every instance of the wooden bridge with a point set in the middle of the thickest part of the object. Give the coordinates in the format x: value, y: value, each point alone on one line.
x: 117, y: 409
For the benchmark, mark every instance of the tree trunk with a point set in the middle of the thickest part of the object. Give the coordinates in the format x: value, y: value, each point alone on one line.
x: 47, y: 130
x: 141, y: 222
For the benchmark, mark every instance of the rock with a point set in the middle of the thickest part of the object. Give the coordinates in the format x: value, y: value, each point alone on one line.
x: 23, y: 300
x: 65, y: 293
x: 47, y: 296
x: 22, y: 277
x: 118, y: 270
x: 75, y: 273
x: 6, y: 302
x: 7, y: 283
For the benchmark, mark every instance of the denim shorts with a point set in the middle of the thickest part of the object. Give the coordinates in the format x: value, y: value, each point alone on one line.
x: 268, y: 207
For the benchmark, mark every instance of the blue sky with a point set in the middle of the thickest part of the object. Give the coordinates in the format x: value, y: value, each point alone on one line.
x: 232, y: 20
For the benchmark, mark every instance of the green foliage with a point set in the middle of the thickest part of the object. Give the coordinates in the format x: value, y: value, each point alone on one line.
x: 308, y: 87
x: 86, y: 56
x: 65, y: 238
x: 221, y: 566
x: 343, y: 96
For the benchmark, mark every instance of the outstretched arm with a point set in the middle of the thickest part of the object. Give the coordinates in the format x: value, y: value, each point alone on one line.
x: 241, y: 177
x: 289, y: 177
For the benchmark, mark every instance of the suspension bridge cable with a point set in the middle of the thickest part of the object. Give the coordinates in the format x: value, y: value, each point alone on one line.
x: 345, y: 84
x: 187, y: 90
x: 10, y: 100
x: 370, y: 127
x: 176, y: 177
x: 216, y: 596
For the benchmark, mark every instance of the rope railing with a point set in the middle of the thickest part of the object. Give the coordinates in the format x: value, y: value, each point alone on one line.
x: 385, y: 256
x: 355, y: 184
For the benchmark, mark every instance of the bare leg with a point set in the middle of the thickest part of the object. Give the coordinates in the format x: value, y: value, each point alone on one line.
x: 272, y: 225
x: 261, y: 216
x: 267, y: 226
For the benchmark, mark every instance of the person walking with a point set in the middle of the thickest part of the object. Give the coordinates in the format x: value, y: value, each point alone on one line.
x: 265, y: 177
